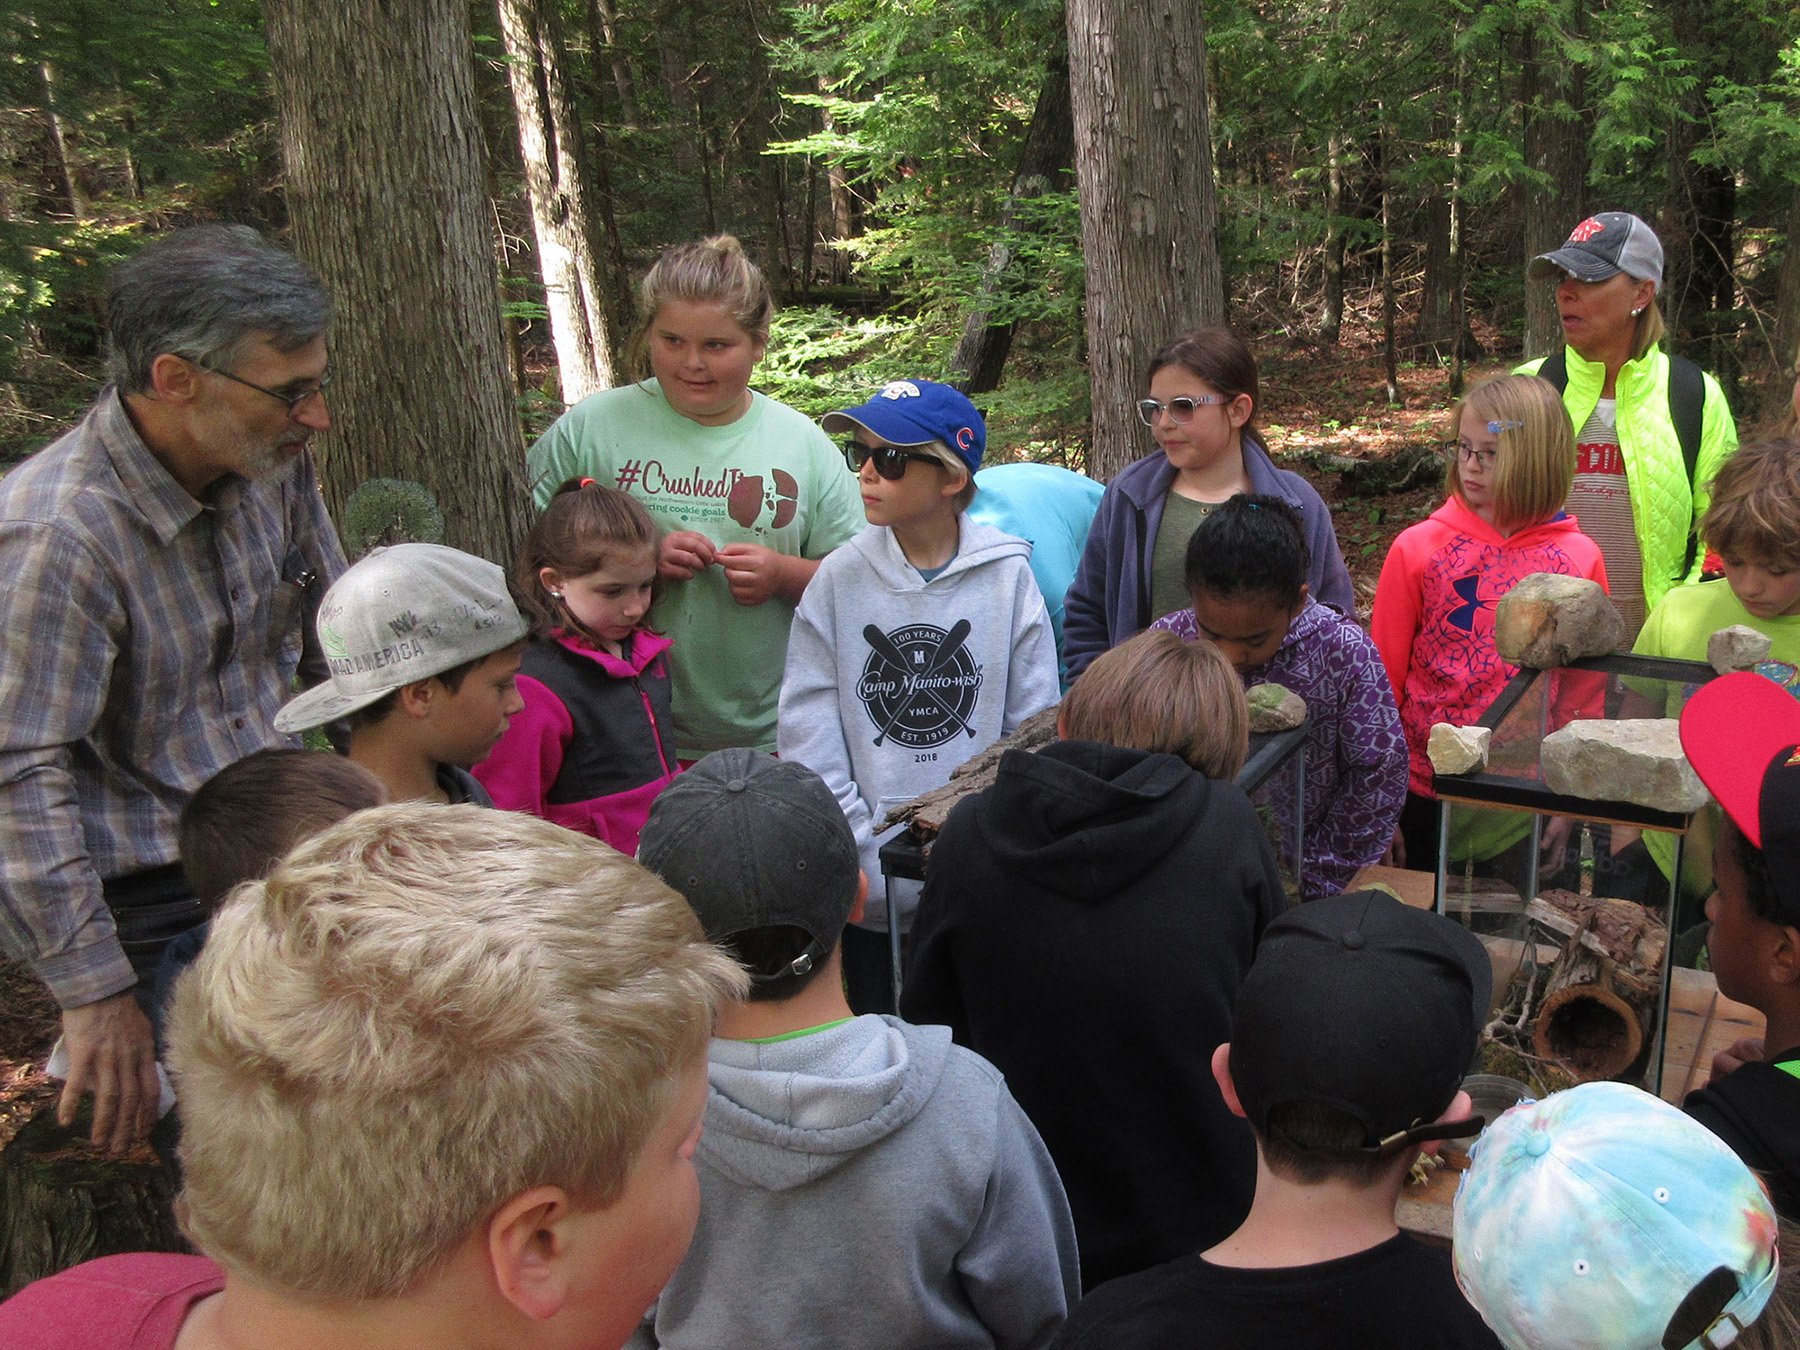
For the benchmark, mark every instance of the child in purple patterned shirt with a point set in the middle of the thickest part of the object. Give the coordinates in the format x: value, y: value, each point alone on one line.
x: 1246, y: 574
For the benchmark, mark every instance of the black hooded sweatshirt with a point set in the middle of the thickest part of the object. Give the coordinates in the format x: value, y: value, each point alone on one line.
x: 1085, y: 925
x: 1756, y: 1109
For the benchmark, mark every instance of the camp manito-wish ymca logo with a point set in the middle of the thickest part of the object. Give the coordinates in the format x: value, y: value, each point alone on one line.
x: 919, y: 685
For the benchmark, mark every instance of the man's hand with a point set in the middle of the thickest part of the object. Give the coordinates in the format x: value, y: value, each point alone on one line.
x: 112, y: 1055
x: 684, y: 554
x: 755, y: 574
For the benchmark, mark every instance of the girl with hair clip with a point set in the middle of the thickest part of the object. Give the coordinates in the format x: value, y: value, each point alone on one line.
x: 1246, y: 574
x: 1434, y: 604
x: 750, y: 494
x: 589, y: 750
x: 1201, y: 410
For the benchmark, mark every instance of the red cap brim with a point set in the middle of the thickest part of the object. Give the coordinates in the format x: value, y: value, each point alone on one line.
x: 1730, y: 730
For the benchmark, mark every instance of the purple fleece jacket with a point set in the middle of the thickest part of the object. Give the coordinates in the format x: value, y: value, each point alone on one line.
x: 1109, y: 599
x: 1355, y: 751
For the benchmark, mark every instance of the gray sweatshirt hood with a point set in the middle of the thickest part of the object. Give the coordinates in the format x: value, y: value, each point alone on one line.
x: 975, y: 544
x: 782, y: 1114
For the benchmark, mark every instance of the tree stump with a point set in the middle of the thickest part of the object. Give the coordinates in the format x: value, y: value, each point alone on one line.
x: 61, y: 1202
x: 1600, y: 993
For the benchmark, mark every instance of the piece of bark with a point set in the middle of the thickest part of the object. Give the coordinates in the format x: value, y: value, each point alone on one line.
x: 925, y: 815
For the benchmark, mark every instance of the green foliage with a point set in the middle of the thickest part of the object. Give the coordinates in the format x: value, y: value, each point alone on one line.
x: 53, y: 285
x: 390, y: 511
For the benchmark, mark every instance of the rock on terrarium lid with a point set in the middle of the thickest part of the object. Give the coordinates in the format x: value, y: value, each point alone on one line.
x: 1638, y: 760
x: 1550, y: 620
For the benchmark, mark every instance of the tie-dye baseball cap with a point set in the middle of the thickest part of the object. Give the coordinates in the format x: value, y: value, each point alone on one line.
x: 1603, y: 1217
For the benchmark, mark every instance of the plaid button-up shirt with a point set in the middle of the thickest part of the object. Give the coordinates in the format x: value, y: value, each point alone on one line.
x: 146, y: 641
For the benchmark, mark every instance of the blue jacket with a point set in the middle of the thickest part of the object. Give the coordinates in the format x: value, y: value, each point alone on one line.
x: 1109, y: 600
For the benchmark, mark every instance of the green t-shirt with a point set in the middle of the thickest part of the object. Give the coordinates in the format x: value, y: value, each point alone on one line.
x: 771, y: 478
x: 1168, y: 557
x: 1679, y: 628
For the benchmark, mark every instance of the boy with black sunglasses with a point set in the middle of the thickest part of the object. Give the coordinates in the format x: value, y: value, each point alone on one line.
x: 918, y: 644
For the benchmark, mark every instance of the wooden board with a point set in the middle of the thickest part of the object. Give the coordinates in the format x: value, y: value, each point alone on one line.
x: 1702, y: 1022
x: 1418, y: 889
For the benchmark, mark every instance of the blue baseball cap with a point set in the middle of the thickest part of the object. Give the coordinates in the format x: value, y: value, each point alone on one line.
x: 908, y: 413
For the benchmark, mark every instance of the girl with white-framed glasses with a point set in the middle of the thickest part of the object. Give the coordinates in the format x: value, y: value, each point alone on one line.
x: 1200, y: 408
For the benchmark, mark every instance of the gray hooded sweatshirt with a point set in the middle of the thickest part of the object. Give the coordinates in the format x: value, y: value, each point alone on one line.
x: 892, y: 680
x: 868, y: 1185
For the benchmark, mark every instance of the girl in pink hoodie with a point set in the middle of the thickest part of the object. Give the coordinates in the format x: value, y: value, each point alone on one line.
x: 1433, y: 621
x: 590, y: 749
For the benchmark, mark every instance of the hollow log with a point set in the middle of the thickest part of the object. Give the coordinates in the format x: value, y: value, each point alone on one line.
x: 1600, y: 993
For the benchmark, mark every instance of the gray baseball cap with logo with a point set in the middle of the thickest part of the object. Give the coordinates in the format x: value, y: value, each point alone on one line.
x: 402, y: 614
x: 1603, y: 246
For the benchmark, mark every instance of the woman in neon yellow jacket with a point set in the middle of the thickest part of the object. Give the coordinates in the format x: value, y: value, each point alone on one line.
x: 1638, y: 491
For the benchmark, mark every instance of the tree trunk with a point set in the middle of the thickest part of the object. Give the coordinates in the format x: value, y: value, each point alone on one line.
x: 1390, y: 365
x: 1552, y: 92
x: 1432, y: 324
x: 1776, y: 405
x: 1332, y: 324
x: 387, y: 195
x: 1044, y: 165
x: 1149, y: 207
x: 556, y: 184
x: 603, y: 37
x: 59, y: 144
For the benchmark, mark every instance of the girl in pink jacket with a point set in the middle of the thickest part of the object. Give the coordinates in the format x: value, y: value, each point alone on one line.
x: 1433, y: 621
x: 590, y: 751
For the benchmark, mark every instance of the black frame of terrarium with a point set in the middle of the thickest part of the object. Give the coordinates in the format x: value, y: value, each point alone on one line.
x: 1529, y: 794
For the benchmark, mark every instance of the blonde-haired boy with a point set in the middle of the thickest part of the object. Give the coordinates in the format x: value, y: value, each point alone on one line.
x: 919, y: 643
x: 1753, y: 524
x: 442, y: 1076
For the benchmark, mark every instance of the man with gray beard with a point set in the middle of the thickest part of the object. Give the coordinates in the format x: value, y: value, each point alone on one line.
x: 156, y: 564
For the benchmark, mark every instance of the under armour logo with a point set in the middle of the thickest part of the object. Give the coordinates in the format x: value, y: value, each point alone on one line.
x: 899, y: 389
x: 1586, y: 230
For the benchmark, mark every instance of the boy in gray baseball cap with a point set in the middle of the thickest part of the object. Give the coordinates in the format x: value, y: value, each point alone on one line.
x: 916, y: 1202
x: 423, y: 643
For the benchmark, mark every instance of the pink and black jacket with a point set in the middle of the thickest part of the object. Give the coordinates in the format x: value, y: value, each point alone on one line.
x: 589, y: 750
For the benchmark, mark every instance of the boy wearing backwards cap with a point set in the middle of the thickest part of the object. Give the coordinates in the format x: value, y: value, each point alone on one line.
x: 1350, y: 1038
x: 918, y: 644
x: 862, y: 1181
x: 1741, y: 732
x: 424, y: 644
x: 1603, y: 1219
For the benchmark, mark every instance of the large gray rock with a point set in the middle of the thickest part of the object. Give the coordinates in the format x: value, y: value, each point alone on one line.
x: 1275, y: 707
x: 1637, y: 761
x: 1458, y: 749
x: 1738, y: 647
x: 1550, y: 620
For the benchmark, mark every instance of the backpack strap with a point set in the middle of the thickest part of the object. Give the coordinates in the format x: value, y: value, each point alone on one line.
x: 1687, y: 409
x: 1556, y: 369
x: 1687, y: 413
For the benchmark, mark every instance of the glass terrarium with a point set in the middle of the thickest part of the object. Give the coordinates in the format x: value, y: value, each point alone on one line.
x: 1581, y: 855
